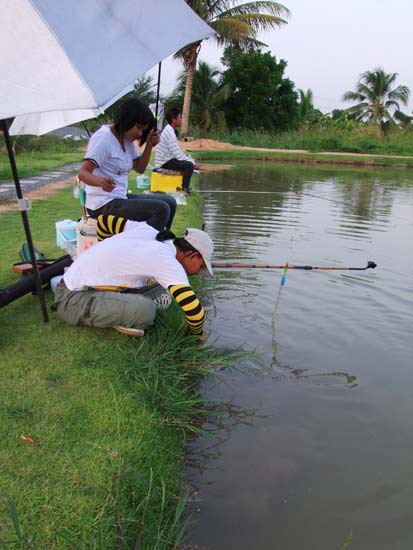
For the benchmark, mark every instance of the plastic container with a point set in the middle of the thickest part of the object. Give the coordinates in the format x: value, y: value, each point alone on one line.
x: 143, y: 182
x: 66, y: 234
x: 86, y: 235
x: 165, y: 182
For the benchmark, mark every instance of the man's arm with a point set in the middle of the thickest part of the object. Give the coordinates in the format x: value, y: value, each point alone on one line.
x: 108, y: 225
x: 191, y: 306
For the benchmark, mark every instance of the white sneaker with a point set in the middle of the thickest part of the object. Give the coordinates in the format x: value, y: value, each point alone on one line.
x: 130, y: 331
x: 163, y: 301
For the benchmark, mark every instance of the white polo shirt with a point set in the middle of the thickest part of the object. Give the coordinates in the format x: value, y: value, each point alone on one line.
x: 111, y: 161
x: 128, y: 259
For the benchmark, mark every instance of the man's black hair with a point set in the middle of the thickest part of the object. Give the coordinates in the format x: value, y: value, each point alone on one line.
x: 131, y: 112
x: 172, y: 113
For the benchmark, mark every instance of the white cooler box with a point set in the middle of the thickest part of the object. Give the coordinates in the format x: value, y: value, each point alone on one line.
x: 86, y: 234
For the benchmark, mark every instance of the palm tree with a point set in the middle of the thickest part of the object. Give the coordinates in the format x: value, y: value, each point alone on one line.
x: 305, y: 106
x: 208, y: 96
x: 234, y: 24
x: 376, y: 98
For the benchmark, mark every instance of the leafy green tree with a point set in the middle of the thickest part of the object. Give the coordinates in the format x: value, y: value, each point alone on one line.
x: 261, y: 97
x: 208, y: 97
x: 377, y: 99
x: 234, y: 24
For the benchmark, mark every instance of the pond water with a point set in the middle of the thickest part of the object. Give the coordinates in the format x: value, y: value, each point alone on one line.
x: 317, y: 446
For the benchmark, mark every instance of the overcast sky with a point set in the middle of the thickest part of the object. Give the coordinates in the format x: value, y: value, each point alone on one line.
x: 329, y: 43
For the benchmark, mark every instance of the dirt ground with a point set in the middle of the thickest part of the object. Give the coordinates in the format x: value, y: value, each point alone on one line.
x: 212, y: 145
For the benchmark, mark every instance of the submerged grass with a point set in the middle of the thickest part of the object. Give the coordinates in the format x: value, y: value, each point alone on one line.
x: 93, y: 423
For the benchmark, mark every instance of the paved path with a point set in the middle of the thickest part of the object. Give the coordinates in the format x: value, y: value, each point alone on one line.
x: 8, y: 190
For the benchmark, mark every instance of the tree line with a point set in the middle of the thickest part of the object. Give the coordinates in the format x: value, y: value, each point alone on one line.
x: 253, y: 93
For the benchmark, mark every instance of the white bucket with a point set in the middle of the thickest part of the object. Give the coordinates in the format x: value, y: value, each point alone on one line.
x: 66, y: 234
x: 143, y: 182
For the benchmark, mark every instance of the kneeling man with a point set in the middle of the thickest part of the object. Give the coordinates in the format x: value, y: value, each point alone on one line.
x: 117, y: 282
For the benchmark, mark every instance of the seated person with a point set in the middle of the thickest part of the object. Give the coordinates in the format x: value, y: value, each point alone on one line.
x: 169, y: 155
x: 109, y: 158
x: 98, y: 291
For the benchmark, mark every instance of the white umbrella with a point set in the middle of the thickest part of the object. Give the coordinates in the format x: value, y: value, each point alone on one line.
x: 40, y: 123
x: 71, y: 55
x: 85, y: 55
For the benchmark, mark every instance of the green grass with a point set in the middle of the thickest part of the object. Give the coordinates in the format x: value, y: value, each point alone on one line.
x: 108, y: 415
x: 32, y: 164
x: 357, y: 139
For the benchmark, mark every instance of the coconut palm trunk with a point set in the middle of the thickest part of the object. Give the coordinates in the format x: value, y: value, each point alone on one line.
x: 234, y: 23
x: 190, y: 59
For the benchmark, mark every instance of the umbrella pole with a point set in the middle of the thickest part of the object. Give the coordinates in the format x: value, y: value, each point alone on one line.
x: 157, y: 94
x: 23, y: 209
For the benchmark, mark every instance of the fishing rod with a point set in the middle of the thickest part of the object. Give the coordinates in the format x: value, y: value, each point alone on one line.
x: 370, y: 265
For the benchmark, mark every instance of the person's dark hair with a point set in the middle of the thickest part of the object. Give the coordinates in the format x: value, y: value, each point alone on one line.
x: 179, y: 242
x: 172, y: 113
x: 131, y: 112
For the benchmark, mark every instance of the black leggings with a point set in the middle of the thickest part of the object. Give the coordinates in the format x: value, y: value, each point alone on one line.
x: 184, y: 166
x: 156, y: 209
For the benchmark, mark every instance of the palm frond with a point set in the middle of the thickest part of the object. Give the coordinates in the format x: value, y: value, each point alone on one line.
x: 354, y: 96
x: 231, y: 30
x: 401, y: 93
x: 391, y: 103
x: 271, y: 8
x: 261, y: 21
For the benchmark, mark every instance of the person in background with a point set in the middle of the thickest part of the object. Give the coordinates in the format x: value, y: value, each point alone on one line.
x: 109, y: 158
x: 98, y: 292
x: 169, y: 155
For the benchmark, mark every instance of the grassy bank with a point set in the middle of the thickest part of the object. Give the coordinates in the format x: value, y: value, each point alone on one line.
x: 305, y: 158
x: 354, y: 139
x: 93, y: 423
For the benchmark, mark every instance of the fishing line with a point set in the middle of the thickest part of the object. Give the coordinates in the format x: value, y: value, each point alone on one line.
x: 277, y: 301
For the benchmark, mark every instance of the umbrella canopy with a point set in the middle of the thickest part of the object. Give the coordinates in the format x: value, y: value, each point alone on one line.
x: 85, y: 55
x: 40, y: 123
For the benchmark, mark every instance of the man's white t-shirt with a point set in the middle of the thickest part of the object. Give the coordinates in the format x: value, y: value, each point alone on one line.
x: 129, y: 260
x: 111, y: 161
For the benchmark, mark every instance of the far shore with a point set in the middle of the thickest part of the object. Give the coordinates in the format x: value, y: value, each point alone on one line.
x: 209, y: 149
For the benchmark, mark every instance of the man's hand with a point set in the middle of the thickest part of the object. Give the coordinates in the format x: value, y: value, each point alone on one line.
x: 107, y: 184
x: 153, y: 138
x: 197, y: 166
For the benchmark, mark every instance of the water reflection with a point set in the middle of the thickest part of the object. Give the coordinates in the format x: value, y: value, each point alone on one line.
x: 309, y: 452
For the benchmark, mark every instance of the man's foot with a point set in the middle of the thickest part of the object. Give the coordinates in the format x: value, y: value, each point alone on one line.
x: 163, y: 301
x: 186, y: 192
x: 130, y: 331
